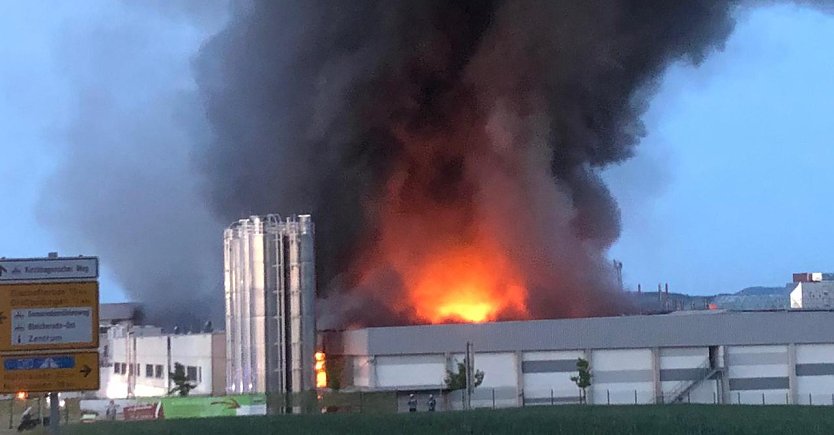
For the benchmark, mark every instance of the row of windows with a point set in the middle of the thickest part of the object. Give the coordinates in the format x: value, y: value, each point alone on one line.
x: 193, y: 373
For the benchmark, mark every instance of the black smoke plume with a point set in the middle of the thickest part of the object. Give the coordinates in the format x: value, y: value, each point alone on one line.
x: 503, y: 111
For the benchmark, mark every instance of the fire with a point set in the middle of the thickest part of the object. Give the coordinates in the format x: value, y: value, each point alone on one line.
x: 469, y: 284
x: 320, y: 370
x: 443, y: 245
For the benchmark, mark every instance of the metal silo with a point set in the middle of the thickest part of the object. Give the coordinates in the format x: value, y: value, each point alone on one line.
x: 270, y: 304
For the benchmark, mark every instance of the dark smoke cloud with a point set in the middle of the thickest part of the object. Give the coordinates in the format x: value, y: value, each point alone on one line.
x: 310, y: 101
x: 124, y: 187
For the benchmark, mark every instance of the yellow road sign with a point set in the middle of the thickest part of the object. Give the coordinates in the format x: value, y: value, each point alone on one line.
x: 49, y: 372
x: 48, y: 316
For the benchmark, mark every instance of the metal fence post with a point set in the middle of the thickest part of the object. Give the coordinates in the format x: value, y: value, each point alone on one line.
x: 738, y: 397
x: 635, y: 397
x: 493, y: 398
x: 688, y: 397
x: 810, y: 399
x: 608, y: 395
x: 551, y: 397
x: 11, y: 412
x: 763, y: 400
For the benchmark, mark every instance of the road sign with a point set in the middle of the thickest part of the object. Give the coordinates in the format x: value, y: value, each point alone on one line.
x: 40, y: 373
x: 48, y: 316
x: 59, y: 268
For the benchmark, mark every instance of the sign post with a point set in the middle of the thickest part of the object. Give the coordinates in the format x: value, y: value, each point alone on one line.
x: 49, y: 327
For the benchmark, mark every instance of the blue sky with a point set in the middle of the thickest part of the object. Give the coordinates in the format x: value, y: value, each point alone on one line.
x: 731, y: 187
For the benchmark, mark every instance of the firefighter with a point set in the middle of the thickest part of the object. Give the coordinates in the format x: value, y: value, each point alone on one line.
x: 432, y: 403
x: 412, y: 403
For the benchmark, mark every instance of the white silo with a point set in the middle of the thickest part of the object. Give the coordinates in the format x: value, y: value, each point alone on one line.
x: 270, y: 304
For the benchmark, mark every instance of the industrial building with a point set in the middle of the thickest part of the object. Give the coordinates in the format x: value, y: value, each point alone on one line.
x: 812, y: 291
x: 137, y: 361
x: 772, y: 357
x: 270, y: 304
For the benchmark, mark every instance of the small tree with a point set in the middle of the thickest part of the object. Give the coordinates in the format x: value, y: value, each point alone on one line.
x: 457, y: 380
x: 583, y: 377
x: 182, y: 385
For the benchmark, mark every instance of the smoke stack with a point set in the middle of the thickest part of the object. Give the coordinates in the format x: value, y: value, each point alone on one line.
x: 638, y: 288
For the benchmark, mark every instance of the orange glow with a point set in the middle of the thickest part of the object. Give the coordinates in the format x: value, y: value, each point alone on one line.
x: 321, y: 372
x: 321, y: 380
x: 474, y: 284
x: 22, y: 395
x: 448, y: 252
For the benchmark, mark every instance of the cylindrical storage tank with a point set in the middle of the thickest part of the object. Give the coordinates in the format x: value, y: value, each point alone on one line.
x: 270, y: 304
x: 307, y: 274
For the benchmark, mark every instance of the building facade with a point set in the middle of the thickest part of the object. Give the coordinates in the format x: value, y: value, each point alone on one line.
x: 142, y: 358
x: 812, y: 291
x: 699, y: 357
x: 270, y: 312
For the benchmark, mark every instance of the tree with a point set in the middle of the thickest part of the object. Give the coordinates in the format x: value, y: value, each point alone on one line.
x: 182, y: 385
x: 457, y: 380
x: 583, y: 377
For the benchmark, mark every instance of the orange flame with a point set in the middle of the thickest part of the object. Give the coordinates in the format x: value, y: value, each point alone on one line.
x: 439, y: 242
x: 467, y: 284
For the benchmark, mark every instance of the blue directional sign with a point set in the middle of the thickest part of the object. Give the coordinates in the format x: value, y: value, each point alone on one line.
x: 42, y: 362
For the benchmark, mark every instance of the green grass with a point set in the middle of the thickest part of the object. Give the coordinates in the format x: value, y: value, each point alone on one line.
x: 670, y: 419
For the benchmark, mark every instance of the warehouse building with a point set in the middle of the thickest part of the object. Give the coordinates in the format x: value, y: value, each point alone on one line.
x: 697, y: 356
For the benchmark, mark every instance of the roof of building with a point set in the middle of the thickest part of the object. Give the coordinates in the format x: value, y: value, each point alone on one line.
x: 707, y: 328
x: 118, y: 312
x: 752, y: 302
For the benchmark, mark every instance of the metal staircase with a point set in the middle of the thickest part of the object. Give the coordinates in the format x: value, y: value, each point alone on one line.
x: 681, y: 391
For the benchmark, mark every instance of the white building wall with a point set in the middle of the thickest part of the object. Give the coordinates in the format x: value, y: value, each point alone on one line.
x: 405, y: 372
x: 192, y: 350
x: 500, y: 385
x: 815, y: 374
x: 546, y: 377
x: 758, y: 374
x: 622, y: 376
x: 682, y: 367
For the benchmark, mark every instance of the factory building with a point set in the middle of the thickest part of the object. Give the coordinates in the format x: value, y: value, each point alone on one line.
x: 812, y: 291
x: 137, y: 361
x: 697, y: 356
x: 270, y: 313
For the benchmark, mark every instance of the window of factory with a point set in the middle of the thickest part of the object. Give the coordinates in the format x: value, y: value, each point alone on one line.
x: 149, y: 370
x: 191, y: 373
x: 199, y: 374
x: 130, y: 369
x: 158, y: 371
x: 117, y: 368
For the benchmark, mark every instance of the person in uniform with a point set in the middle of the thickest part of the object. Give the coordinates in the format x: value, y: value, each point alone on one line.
x: 432, y: 403
x: 412, y: 403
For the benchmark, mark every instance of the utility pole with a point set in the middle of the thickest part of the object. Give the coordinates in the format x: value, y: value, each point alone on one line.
x: 54, y: 414
x: 470, y: 367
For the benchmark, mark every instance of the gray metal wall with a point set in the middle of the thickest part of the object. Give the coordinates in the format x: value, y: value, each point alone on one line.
x: 626, y: 332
